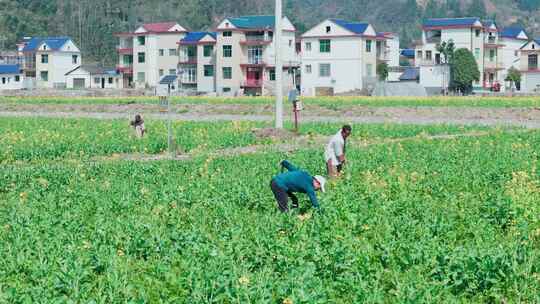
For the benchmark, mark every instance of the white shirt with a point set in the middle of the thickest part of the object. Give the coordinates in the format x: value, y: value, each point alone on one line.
x: 334, y: 149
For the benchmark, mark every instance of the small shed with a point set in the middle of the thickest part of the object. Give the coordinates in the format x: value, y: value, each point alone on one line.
x: 93, y: 77
x: 11, y: 77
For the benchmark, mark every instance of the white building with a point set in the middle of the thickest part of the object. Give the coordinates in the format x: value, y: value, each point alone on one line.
x: 149, y: 53
x: 197, y: 62
x: 530, y: 70
x: 512, y: 39
x: 245, y: 55
x: 93, y: 77
x: 340, y: 56
x: 11, y: 77
x: 47, y: 60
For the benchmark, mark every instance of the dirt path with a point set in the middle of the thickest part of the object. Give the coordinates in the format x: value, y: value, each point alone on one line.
x: 529, y: 118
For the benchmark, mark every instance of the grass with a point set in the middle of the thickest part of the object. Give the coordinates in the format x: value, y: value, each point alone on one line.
x: 332, y: 103
x: 453, y: 221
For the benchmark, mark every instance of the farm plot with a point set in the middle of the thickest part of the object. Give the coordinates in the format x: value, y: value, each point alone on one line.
x: 449, y: 221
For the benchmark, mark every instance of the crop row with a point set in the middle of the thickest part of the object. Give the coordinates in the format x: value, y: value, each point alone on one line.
x: 322, y: 101
x: 44, y: 138
x: 430, y: 221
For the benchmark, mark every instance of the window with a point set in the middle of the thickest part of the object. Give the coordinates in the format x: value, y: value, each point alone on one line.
x: 172, y: 72
x: 428, y: 55
x: 161, y: 72
x: 290, y: 42
x: 532, y: 46
x: 328, y: 29
x: 74, y: 59
x: 227, y: 34
x: 44, y: 76
x: 369, y: 70
x: 172, y: 52
x: 208, y: 71
x: 192, y: 51
x: 324, y: 46
x: 110, y: 80
x: 272, y: 75
x: 477, y: 53
x: 533, y: 62
x: 141, y: 57
x: 438, y: 58
x: 227, y: 51
x: 308, y: 69
x: 97, y: 80
x: 3, y: 80
x: 161, y: 52
x: 227, y: 73
x: 368, y: 46
x: 44, y: 58
x: 491, y: 55
x: 208, y: 50
x: 308, y: 46
x: 226, y: 90
x: 128, y: 59
x: 477, y: 33
x: 141, y: 40
x: 324, y: 70
x: 140, y: 77
x: 17, y: 78
x: 419, y: 55
x: 516, y: 53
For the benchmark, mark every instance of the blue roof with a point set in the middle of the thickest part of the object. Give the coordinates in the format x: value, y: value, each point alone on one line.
x: 168, y: 79
x: 197, y: 36
x: 511, y: 32
x: 537, y: 40
x: 53, y: 43
x: 9, y: 69
x: 355, y: 27
x: 410, y: 74
x: 438, y: 22
x: 253, y: 22
x: 407, y: 53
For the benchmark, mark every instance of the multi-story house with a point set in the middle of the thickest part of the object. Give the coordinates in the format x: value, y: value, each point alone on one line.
x: 530, y: 70
x: 340, y: 56
x: 512, y: 39
x: 149, y: 53
x: 47, y: 60
x: 11, y: 77
x: 197, y: 62
x: 245, y: 55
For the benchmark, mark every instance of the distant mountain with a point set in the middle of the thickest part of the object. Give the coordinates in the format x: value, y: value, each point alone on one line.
x: 91, y: 23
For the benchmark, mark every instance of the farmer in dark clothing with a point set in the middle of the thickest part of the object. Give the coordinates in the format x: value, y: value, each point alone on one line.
x: 286, y: 184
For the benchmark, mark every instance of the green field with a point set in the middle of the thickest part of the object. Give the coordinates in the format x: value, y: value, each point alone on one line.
x: 334, y: 102
x: 452, y: 220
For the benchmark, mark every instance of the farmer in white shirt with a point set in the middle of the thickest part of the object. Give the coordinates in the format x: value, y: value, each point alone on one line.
x: 334, y: 154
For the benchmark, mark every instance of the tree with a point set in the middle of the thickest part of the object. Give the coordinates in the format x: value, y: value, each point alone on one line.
x: 382, y: 71
x: 477, y: 9
x: 464, y: 70
x: 514, y: 76
x: 447, y: 50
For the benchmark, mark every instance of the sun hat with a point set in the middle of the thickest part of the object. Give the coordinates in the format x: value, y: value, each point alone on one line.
x: 321, y: 181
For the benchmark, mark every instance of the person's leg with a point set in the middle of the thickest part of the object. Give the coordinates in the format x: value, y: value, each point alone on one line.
x: 281, y: 196
x: 294, y: 199
x: 330, y: 168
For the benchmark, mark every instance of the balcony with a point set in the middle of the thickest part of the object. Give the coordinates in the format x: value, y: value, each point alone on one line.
x: 493, y: 65
x: 188, y: 80
x: 256, y: 40
x: 124, y: 49
x: 254, y: 61
x: 188, y: 60
x: 125, y: 68
x: 252, y: 83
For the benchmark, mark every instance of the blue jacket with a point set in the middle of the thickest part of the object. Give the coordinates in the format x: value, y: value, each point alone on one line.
x: 297, y: 180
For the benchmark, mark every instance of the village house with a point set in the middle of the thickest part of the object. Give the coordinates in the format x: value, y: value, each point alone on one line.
x: 93, y: 77
x: 48, y: 59
x: 197, y: 62
x: 339, y: 56
x: 245, y: 56
x: 148, y: 54
x: 512, y: 39
x: 11, y: 77
x: 530, y: 70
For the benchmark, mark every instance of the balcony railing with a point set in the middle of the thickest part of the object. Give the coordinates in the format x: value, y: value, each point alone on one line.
x: 188, y: 79
x: 491, y: 40
x: 125, y: 68
x: 256, y: 40
x: 252, y: 83
x: 188, y: 60
x: 124, y: 49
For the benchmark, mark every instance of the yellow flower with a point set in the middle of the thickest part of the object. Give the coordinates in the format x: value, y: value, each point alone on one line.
x: 304, y: 217
x: 287, y: 301
x: 23, y: 196
x: 243, y: 280
x: 120, y: 252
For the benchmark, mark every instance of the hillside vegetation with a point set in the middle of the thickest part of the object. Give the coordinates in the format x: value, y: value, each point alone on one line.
x: 91, y: 23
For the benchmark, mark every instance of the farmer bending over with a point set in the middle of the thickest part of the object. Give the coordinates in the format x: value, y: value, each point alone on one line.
x: 138, y: 125
x: 286, y: 184
x: 334, y: 153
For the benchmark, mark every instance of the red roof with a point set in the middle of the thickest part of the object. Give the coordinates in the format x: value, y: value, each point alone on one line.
x: 159, y: 27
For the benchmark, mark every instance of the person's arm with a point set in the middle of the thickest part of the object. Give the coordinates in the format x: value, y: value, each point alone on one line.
x: 313, y: 198
x: 287, y: 165
x: 338, y: 149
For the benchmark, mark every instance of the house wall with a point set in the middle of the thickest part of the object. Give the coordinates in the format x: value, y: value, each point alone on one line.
x: 434, y: 78
x: 238, y: 56
x: 8, y: 82
x: 205, y: 84
x: 89, y: 80
x: 530, y: 78
x: 510, y: 54
x: 530, y: 82
x: 60, y: 63
x: 393, y: 51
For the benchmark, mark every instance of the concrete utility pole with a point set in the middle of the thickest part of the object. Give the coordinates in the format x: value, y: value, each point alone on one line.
x: 279, y: 66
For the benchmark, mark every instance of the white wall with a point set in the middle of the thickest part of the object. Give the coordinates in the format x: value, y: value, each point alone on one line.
x: 8, y: 82
x: 434, y: 76
x: 205, y: 84
x: 89, y: 80
x: 530, y: 83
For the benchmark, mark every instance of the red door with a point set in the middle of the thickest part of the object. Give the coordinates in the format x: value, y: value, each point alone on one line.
x: 253, y: 77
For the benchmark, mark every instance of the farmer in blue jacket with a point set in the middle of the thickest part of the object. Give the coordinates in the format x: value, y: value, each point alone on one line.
x: 286, y: 184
